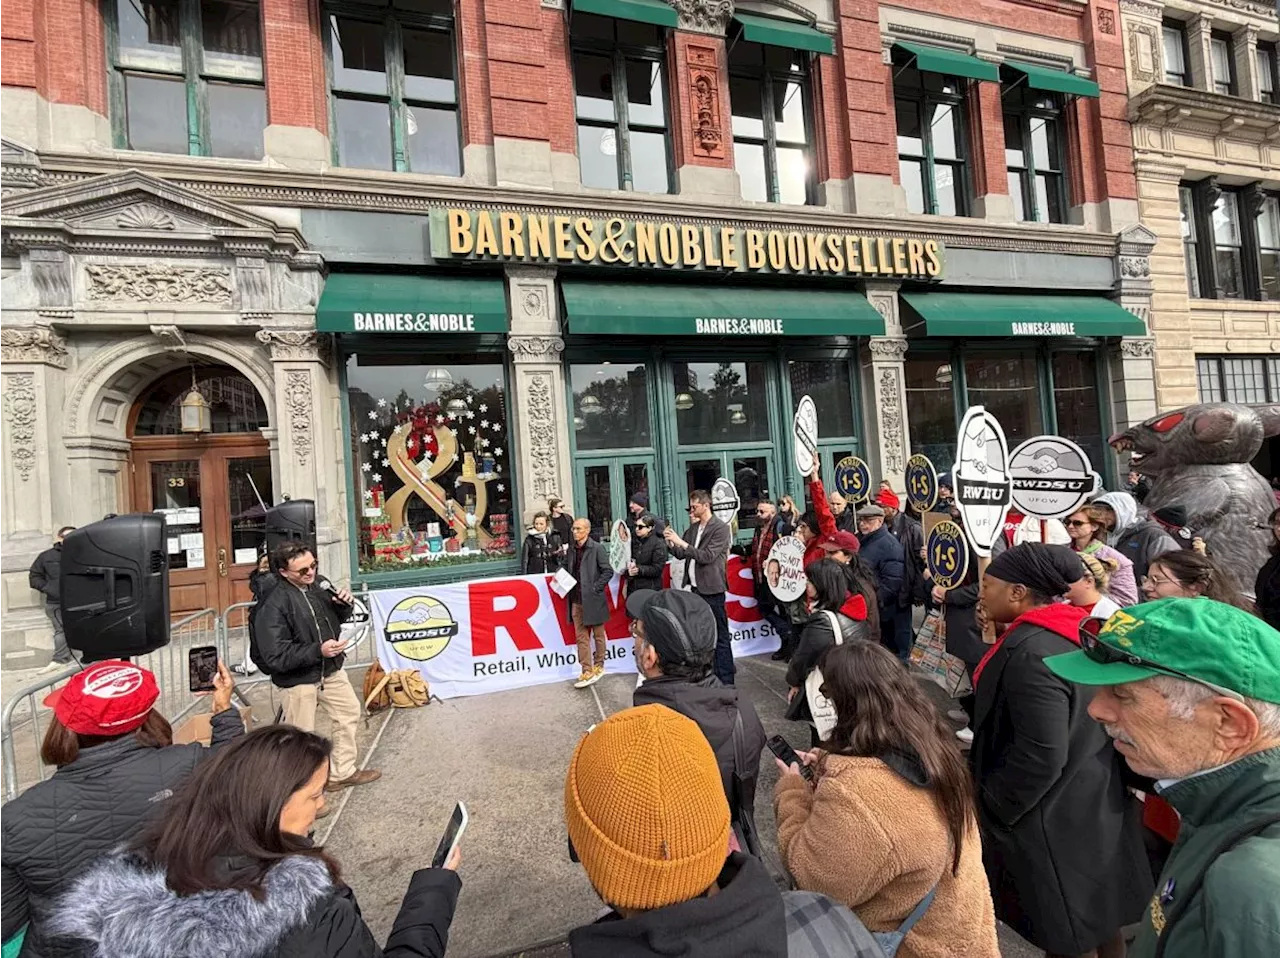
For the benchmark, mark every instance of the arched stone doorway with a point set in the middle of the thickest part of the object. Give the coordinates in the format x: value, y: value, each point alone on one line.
x: 212, y: 487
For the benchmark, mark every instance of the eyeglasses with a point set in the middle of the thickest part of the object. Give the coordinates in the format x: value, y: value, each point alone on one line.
x: 1156, y: 580
x: 1104, y: 654
x: 307, y: 568
x: 1076, y: 523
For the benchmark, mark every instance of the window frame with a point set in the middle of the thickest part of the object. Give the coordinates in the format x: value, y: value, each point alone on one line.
x: 1250, y: 203
x: 1180, y: 28
x: 922, y: 98
x: 1025, y: 114
x: 1269, y: 51
x: 769, y: 141
x: 393, y: 21
x: 618, y: 53
x: 1232, y: 87
x: 1191, y: 240
x: 1211, y: 377
x: 194, y: 73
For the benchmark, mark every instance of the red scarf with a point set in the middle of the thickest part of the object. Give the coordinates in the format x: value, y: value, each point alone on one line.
x: 1060, y: 618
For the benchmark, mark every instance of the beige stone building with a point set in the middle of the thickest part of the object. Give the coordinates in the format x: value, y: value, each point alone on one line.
x: 1205, y: 111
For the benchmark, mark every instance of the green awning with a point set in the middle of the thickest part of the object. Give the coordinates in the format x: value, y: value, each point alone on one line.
x: 1021, y: 314
x: 635, y: 309
x: 1053, y: 81
x: 392, y: 303
x: 938, y: 60
x: 644, y: 11
x: 784, y: 33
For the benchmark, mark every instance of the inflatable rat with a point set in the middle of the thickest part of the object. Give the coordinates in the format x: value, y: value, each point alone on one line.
x: 1198, y: 457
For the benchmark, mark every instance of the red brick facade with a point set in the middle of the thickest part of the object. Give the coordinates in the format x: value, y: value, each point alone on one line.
x: 55, y: 47
x: 293, y: 55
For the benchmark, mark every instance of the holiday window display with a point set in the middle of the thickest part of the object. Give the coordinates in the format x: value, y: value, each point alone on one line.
x: 433, y: 464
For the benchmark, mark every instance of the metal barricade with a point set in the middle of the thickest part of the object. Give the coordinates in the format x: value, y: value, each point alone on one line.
x: 169, y: 664
x: 24, y: 713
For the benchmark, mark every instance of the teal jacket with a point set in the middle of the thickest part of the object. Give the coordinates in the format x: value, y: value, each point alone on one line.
x: 1237, y: 913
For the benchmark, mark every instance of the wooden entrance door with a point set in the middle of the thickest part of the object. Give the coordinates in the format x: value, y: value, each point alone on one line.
x: 205, y: 486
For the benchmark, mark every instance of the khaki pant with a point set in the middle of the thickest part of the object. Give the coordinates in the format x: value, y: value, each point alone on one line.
x: 585, y: 635
x: 338, y: 700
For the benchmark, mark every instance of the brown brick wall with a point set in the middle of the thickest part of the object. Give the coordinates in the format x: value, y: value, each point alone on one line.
x: 986, y: 140
x: 701, y: 121
x: 18, y: 43
x: 868, y: 87
x: 293, y: 61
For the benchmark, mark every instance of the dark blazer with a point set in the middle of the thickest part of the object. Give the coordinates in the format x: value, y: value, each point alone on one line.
x: 709, y: 557
x: 650, y: 556
x: 591, y: 568
x: 1060, y: 834
x: 960, y: 612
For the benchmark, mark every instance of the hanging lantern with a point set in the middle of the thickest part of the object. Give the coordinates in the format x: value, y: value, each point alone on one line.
x: 196, y: 416
x: 437, y: 380
x: 455, y: 407
x: 684, y: 401
x: 589, y: 405
x: 579, y: 423
x: 943, y: 375
x: 737, y: 416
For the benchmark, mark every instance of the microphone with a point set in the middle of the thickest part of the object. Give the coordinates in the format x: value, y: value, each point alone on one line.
x: 329, y: 587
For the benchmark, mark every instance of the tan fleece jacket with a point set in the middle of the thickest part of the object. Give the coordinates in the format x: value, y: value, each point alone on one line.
x: 870, y: 839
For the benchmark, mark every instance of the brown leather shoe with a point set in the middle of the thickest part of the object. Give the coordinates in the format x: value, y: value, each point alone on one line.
x: 363, y: 777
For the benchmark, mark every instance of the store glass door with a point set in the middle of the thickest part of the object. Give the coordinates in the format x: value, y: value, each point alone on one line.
x: 605, y: 485
x: 752, y: 472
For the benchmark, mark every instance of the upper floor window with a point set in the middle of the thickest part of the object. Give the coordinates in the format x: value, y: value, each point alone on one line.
x: 620, y: 98
x: 1033, y: 147
x: 1174, y: 45
x: 187, y: 76
x: 393, y: 76
x: 1242, y: 379
x: 769, y: 96
x: 1224, y: 67
x: 931, y: 142
x: 1190, y: 238
x: 1231, y: 240
x: 1267, y: 79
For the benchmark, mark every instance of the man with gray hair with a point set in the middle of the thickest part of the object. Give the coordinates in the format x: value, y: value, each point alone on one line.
x: 1189, y: 690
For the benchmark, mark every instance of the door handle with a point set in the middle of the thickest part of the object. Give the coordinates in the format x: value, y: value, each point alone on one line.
x: 222, y: 561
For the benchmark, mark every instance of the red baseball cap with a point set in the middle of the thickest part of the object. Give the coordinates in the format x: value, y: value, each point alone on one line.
x: 887, y: 497
x: 839, y: 542
x: 107, y: 698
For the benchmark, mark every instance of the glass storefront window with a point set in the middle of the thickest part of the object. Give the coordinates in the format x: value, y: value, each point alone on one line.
x: 721, y: 402
x: 931, y: 408
x: 829, y: 384
x: 1075, y: 402
x: 610, y: 405
x: 432, y: 461
x: 1007, y: 384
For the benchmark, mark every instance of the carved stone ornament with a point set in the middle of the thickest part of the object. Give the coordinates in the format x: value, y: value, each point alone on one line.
x: 144, y: 218
x: 1137, y: 348
x: 884, y: 348
x: 21, y: 413
x: 704, y: 92
x: 33, y: 344
x: 533, y: 300
x: 295, y: 345
x: 1107, y: 21
x: 890, y: 400
x: 529, y: 348
x: 1142, y: 8
x: 297, y: 401
x: 704, y: 16
x: 172, y: 338
x: 541, y: 420
x: 1144, y: 52
x: 1135, y: 267
x: 160, y: 283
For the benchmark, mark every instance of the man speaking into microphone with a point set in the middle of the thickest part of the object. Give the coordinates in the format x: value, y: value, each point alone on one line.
x: 295, y: 641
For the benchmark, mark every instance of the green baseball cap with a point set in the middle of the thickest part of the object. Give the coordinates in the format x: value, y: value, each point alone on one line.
x: 1198, y: 639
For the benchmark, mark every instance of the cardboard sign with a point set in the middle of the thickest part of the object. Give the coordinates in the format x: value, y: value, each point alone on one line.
x: 805, y: 427
x: 1052, y: 477
x: 921, y: 483
x: 784, y: 569
x: 619, y: 546
x: 724, y: 500
x: 983, y: 487
x: 947, y: 554
x: 853, y: 479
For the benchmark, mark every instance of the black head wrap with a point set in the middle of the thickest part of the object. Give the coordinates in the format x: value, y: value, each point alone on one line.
x: 1044, y: 569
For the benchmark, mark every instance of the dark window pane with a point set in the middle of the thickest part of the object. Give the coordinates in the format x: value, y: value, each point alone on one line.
x: 945, y: 131
x: 440, y: 8
x: 1049, y: 198
x: 1270, y: 275
x: 237, y: 117
x: 1175, y: 69
x: 931, y: 408
x: 745, y: 98
x: 1017, y: 196
x: 948, y: 185
x: 828, y: 383
x: 149, y: 35
x: 1229, y: 279
x: 599, y: 499
x: 751, y: 479
x: 1007, y: 384
x: 612, y: 403
x: 433, y: 141
x: 1013, y: 149
x: 788, y: 112
x: 232, y: 32
x: 632, y: 33
x: 748, y: 159
x: 588, y: 26
x: 247, y: 479
x: 910, y: 136
x: 428, y: 66
x: 1075, y: 401
x: 727, y: 402
x: 359, y: 57
x: 646, y: 103
x: 747, y: 57
x: 911, y: 172
x: 593, y: 86
x: 156, y: 113
x: 793, y: 176
x: 649, y: 162
x: 235, y: 405
x: 364, y: 134
x: 598, y: 156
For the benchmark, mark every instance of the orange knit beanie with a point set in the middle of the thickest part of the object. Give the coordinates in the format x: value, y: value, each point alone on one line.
x: 645, y: 808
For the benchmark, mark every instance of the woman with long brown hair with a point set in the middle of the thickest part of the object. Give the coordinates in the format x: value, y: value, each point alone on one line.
x: 889, y: 820
x: 1187, y: 575
x: 1087, y: 527
x: 228, y: 870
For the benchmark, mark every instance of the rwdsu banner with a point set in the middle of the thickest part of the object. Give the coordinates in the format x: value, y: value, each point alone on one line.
x: 469, y: 638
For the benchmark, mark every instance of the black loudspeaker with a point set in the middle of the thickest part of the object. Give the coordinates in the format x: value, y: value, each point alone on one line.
x: 115, y: 587
x: 293, y: 519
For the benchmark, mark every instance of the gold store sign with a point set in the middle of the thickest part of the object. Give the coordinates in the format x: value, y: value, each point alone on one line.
x: 504, y: 236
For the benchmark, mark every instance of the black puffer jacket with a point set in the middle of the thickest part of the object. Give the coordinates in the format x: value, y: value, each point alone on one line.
x: 815, y: 636
x: 715, y: 707
x: 122, y: 909
x: 650, y: 556
x: 54, y: 830
x: 1267, y: 589
x: 540, y: 554
x: 288, y: 629
x: 45, y: 575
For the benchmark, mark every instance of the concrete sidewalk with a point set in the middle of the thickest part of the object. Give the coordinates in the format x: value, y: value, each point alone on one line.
x: 505, y: 755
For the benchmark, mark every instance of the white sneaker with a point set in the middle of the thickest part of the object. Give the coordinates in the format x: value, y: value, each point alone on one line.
x: 588, y: 678
x: 965, y: 735
x: 52, y: 667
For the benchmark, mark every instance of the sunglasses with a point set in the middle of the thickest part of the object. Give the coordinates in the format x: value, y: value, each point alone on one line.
x: 1102, y: 653
x: 1075, y: 523
x: 307, y: 568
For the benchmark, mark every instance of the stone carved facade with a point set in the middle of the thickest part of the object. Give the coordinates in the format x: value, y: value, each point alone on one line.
x: 297, y: 399
x: 704, y: 91
x: 541, y: 414
x: 535, y: 348
x: 33, y: 344
x: 1138, y: 348
x: 887, y: 349
x: 892, y: 441
x: 21, y: 414
x: 160, y: 283
x: 704, y: 16
x: 295, y: 345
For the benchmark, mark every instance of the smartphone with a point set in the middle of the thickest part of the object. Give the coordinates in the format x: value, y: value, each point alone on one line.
x: 779, y: 747
x: 452, y: 835
x: 202, y: 667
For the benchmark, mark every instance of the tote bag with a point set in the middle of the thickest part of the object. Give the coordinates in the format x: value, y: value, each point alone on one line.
x: 821, y: 707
